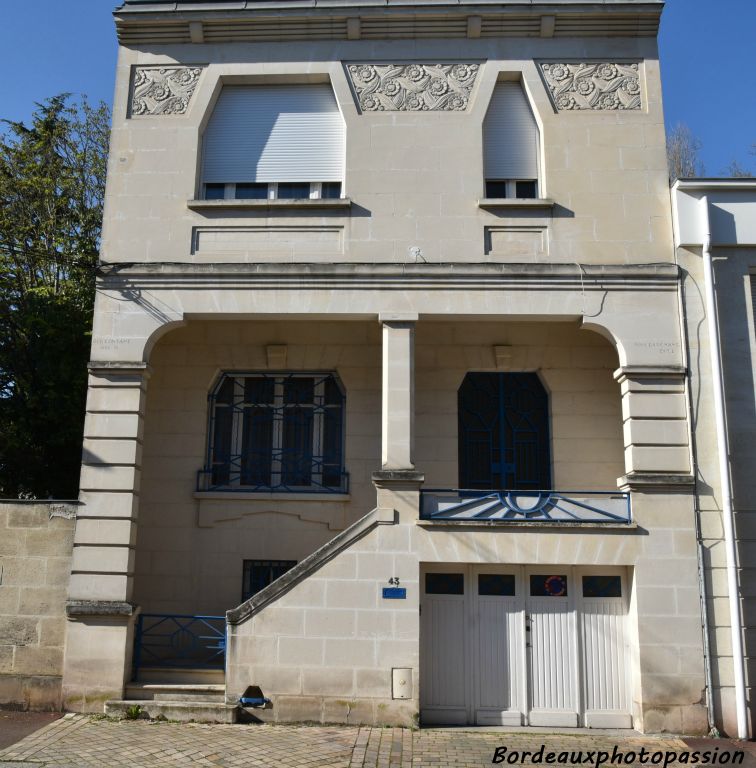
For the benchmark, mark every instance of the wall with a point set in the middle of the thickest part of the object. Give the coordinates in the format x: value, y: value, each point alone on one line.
x: 734, y: 270
x: 576, y: 368
x: 35, y: 561
x: 191, y: 547
x: 414, y: 177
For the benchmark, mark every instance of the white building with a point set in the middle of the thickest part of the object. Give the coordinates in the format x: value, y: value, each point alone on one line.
x: 355, y: 258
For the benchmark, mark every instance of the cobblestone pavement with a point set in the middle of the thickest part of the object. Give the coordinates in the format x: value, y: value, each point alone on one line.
x: 82, y: 742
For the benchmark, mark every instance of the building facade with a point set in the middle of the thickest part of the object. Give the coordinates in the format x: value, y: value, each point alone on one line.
x: 388, y: 368
x: 714, y: 221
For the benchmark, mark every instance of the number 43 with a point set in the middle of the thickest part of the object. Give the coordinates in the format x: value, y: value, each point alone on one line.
x: 394, y: 581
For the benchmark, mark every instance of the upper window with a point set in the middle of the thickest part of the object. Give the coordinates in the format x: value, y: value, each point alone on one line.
x: 274, y: 141
x: 510, y: 144
x: 276, y: 432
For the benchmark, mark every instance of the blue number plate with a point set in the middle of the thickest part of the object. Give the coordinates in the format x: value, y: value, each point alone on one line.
x: 394, y: 593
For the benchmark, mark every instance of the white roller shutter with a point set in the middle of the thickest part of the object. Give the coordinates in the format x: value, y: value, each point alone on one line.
x: 266, y: 133
x: 510, y: 135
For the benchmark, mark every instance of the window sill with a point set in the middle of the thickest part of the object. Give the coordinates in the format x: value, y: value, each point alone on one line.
x: 262, y: 496
x: 532, y: 524
x: 269, y: 205
x: 495, y: 203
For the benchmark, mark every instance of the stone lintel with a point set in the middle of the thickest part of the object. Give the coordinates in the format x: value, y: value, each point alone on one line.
x: 653, y: 481
x: 397, y: 317
x: 649, y: 371
x: 114, y: 608
x: 119, y: 368
x: 393, y: 478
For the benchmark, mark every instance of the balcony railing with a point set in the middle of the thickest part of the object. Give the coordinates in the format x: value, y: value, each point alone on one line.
x: 172, y: 640
x: 511, y: 506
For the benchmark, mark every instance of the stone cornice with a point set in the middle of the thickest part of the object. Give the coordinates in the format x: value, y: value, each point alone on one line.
x: 255, y: 21
x: 467, y: 276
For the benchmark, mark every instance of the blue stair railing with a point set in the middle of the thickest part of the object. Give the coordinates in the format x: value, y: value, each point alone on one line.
x: 179, y: 641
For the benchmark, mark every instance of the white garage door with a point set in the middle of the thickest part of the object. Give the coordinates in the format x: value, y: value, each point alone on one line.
x: 535, y: 646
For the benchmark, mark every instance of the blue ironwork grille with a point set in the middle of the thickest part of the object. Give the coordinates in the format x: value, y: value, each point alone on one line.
x: 259, y: 573
x: 460, y: 505
x: 276, y: 432
x: 174, y: 640
x: 503, y: 432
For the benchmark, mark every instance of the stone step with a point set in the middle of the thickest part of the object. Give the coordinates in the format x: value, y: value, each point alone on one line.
x: 176, y: 692
x: 181, y: 676
x: 179, y: 711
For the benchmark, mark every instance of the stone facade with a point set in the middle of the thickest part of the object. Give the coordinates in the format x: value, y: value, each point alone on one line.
x: 36, y: 539
x: 410, y: 280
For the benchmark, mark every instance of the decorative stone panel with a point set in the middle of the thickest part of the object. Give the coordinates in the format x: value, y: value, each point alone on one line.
x: 593, y: 85
x: 413, y: 87
x: 163, y: 90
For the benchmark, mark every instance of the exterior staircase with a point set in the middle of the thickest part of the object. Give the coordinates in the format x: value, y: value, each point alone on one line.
x: 181, y: 695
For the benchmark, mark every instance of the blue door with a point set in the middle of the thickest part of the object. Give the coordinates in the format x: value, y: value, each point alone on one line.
x: 503, y: 432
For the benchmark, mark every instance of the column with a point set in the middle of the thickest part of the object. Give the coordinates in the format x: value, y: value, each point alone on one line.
x: 398, y: 406
x: 100, y: 613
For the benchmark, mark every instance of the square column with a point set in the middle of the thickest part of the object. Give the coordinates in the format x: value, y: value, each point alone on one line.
x: 99, y: 631
x: 398, y: 404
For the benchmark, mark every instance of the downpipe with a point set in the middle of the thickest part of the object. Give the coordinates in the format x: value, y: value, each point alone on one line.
x: 728, y: 521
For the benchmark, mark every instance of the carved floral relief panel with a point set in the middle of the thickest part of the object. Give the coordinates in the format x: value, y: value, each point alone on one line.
x: 163, y: 90
x: 413, y: 87
x: 593, y: 85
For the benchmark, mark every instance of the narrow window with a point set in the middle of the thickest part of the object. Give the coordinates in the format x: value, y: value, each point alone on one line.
x: 510, y: 144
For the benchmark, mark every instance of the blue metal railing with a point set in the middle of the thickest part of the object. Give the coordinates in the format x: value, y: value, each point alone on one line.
x: 507, y: 506
x: 176, y: 640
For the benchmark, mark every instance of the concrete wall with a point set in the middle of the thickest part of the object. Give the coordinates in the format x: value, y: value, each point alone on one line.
x: 734, y: 269
x: 191, y: 547
x: 36, y: 539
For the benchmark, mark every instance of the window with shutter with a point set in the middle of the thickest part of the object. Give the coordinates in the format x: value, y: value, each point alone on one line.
x: 510, y: 144
x: 274, y: 141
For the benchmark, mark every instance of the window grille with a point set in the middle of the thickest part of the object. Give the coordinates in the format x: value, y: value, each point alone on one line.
x: 503, y: 432
x: 259, y: 573
x: 276, y: 432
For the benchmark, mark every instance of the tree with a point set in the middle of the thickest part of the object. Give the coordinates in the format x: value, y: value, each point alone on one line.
x: 683, y: 159
x: 736, y: 171
x: 52, y: 183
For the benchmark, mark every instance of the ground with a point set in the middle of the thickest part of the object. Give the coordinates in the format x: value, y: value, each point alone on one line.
x: 80, y: 741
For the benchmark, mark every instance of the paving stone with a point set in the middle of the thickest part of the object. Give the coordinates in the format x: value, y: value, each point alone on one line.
x: 81, y: 741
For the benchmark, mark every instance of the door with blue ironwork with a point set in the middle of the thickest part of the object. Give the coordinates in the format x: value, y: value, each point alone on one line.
x: 503, y: 421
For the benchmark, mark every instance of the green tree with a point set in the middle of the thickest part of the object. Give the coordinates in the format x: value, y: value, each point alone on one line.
x: 52, y: 183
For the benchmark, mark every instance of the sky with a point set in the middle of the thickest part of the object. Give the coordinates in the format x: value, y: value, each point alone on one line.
x: 53, y: 46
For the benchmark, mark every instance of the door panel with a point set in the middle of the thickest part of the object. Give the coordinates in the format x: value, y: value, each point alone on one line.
x: 507, y: 645
x: 552, y: 659
x: 444, y: 649
x: 603, y: 611
x: 498, y: 647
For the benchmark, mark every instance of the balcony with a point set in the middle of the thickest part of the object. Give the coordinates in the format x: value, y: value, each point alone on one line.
x: 513, y: 506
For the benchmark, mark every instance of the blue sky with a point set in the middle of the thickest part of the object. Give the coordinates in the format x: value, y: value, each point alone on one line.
x: 50, y: 46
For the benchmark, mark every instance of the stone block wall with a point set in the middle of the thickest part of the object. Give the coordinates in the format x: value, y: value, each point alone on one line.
x: 36, y: 539
x: 325, y: 650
